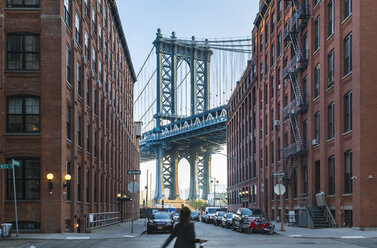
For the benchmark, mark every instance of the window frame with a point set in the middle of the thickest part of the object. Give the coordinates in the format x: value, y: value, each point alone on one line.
x: 331, y: 175
x: 24, y: 114
x: 317, y: 125
x: 348, y: 175
x: 317, y: 31
x: 330, y: 120
x: 330, y: 18
x: 23, y: 180
x: 347, y: 56
x: 23, y: 51
x: 347, y: 103
x: 22, y: 5
x: 67, y: 12
x: 347, y: 8
x: 330, y: 68
x: 69, y: 122
x: 317, y: 79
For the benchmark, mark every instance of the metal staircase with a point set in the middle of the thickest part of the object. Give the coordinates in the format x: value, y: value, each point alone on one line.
x: 294, y: 27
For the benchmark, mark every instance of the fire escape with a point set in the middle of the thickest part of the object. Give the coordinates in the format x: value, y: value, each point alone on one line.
x: 294, y: 27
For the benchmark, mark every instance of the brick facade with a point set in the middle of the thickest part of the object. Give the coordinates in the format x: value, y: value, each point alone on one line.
x: 102, y: 103
x: 259, y: 101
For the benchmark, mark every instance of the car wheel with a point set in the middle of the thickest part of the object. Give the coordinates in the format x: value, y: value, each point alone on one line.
x: 233, y: 226
x: 250, y: 230
x: 239, y: 229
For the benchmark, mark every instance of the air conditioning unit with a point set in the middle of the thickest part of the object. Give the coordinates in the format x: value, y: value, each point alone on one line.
x: 315, y: 142
x: 276, y: 123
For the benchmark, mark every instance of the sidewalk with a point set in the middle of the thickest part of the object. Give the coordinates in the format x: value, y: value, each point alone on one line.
x: 117, y: 231
x: 330, y: 233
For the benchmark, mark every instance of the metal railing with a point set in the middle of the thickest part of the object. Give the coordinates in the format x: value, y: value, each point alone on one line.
x: 97, y: 220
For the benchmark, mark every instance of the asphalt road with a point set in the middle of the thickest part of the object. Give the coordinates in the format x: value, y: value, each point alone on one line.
x: 216, y: 236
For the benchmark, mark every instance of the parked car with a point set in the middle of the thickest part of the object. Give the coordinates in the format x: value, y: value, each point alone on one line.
x: 218, y: 216
x: 226, y: 220
x: 194, y: 215
x: 243, y: 217
x: 210, y: 214
x: 160, y: 222
x: 176, y: 217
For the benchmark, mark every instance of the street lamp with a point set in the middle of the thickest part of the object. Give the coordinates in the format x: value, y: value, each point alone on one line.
x: 214, y: 181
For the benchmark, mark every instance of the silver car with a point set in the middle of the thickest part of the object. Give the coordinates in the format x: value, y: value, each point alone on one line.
x: 226, y: 220
x: 176, y: 217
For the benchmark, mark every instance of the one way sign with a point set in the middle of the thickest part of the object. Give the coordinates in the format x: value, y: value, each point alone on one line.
x: 134, y: 172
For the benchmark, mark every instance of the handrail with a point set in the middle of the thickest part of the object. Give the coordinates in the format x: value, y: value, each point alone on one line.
x: 97, y: 220
x: 330, y: 218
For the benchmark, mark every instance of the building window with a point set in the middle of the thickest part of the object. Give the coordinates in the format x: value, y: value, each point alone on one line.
x: 88, y: 93
x: 273, y: 54
x: 272, y: 153
x: 278, y: 111
x: 27, y: 177
x: 330, y: 8
x: 68, y: 171
x: 79, y: 131
x: 279, y: 10
x: 306, y: 46
x: 87, y: 13
x: 317, y: 168
x: 305, y: 134
x: 278, y: 147
x: 100, y: 6
x: 272, y: 87
x: 94, y: 68
x: 316, y: 126
x: 266, y: 59
x: 295, y: 183
x: 348, y: 54
x: 305, y: 90
x: 22, y: 3
x: 87, y: 187
x: 331, y: 172
x: 273, y: 22
x: 261, y: 70
x: 348, y: 172
x: 68, y: 121
x: 95, y: 187
x: 88, y: 138
x: 316, y: 33
x: 279, y: 78
x: 330, y: 66
x: 78, y: 29
x: 266, y: 32
x: 331, y: 131
x: 279, y: 44
x: 67, y: 12
x: 23, y: 52
x: 68, y: 65
x: 94, y: 21
x: 347, y: 8
x: 79, y: 85
x: 348, y: 111
x: 316, y: 80
x: 96, y: 102
x: 86, y: 46
x: 261, y: 42
x: 23, y: 115
x: 95, y: 144
x: 79, y: 183
x: 100, y: 36
x: 305, y: 177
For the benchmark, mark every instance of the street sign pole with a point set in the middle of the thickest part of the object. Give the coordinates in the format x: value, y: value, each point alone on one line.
x: 133, y: 202
x: 14, y: 195
x: 281, y: 204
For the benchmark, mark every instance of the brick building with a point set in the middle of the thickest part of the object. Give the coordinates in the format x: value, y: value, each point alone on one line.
x: 66, y: 100
x: 305, y: 107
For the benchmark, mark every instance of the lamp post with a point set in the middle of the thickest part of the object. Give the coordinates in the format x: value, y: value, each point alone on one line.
x: 214, y: 181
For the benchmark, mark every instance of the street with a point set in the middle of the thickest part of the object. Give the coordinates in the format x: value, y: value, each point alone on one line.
x: 216, y: 236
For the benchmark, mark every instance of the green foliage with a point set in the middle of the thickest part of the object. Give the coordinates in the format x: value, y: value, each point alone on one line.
x: 198, y: 204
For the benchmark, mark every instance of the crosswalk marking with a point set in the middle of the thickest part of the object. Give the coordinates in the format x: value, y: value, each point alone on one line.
x: 352, y: 237
x: 78, y: 238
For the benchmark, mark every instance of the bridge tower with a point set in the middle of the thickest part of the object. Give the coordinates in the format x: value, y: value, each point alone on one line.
x: 170, y: 52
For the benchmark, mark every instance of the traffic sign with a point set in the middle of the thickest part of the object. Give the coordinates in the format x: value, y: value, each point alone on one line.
x: 280, y: 173
x: 279, y: 189
x: 133, y: 187
x: 134, y: 172
x: 16, y: 163
x: 5, y: 166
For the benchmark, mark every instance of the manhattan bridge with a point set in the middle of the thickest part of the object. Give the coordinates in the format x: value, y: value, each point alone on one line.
x: 180, y: 97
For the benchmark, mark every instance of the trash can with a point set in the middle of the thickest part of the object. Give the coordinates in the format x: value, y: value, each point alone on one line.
x: 6, y: 230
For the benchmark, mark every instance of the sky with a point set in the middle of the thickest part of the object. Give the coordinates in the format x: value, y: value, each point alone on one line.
x: 200, y: 18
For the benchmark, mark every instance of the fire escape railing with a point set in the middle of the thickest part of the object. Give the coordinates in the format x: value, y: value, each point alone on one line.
x: 292, y: 31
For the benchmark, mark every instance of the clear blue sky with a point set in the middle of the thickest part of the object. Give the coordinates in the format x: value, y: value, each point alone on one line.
x: 201, y: 18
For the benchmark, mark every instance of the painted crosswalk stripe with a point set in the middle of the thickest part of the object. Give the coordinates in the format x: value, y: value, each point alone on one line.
x: 352, y: 237
x: 295, y: 236
x: 128, y: 236
x: 78, y: 238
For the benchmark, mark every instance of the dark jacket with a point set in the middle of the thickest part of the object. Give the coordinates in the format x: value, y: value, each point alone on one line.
x: 185, y: 236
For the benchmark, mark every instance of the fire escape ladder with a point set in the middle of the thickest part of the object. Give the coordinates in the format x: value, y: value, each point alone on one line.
x: 290, y: 165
